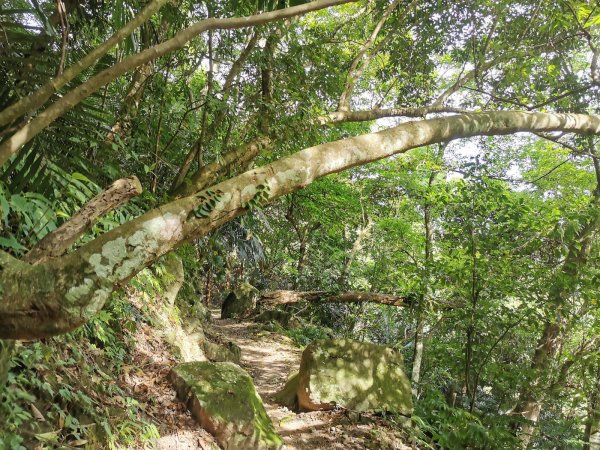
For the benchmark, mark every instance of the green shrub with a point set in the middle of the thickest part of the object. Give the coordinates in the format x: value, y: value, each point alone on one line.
x: 304, y: 335
x: 442, y: 426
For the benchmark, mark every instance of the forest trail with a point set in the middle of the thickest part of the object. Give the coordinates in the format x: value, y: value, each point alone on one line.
x: 269, y: 358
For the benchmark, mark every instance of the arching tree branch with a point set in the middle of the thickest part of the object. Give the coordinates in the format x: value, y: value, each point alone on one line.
x: 35, y: 100
x: 55, y: 297
x: 13, y: 144
x: 57, y: 243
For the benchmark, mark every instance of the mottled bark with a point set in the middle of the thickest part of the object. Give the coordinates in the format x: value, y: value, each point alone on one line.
x: 208, y: 174
x: 176, y: 276
x: 378, y: 113
x: 56, y: 296
x: 57, y: 242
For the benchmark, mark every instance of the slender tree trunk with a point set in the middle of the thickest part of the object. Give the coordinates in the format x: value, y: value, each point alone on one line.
x: 7, y: 347
x: 266, y: 81
x: 591, y: 436
x: 206, y: 135
x: 301, y: 261
x: 470, y: 387
x: 424, y: 297
x: 362, y: 233
x: 303, y: 234
x: 417, y: 356
x: 208, y: 287
x: 130, y: 106
x: 174, y: 267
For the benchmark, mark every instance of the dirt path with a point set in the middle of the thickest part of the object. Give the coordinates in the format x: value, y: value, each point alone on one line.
x: 269, y: 358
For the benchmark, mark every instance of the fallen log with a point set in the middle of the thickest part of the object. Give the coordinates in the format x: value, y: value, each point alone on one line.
x: 283, y: 297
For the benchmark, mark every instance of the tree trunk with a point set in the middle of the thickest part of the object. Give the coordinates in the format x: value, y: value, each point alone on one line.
x: 56, y: 296
x: 425, y: 288
x: 591, y: 436
x: 361, y: 233
x: 176, y: 276
x: 130, y: 106
x: 218, y: 120
x: 7, y: 347
x: 417, y: 358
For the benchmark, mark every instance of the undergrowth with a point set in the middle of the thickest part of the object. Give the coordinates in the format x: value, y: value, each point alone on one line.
x: 305, y: 334
x: 62, y: 392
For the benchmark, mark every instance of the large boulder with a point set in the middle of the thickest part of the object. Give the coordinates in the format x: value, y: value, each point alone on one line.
x: 241, y: 302
x: 354, y: 375
x: 223, y: 399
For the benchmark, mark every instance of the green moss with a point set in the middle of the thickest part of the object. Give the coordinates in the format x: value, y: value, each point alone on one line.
x: 355, y: 375
x: 226, y: 393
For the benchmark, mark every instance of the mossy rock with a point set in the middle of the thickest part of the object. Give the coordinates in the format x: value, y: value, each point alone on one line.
x: 224, y: 401
x: 228, y: 352
x: 354, y: 375
x: 240, y: 303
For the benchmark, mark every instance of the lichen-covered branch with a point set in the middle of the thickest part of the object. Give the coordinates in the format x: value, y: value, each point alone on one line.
x: 209, y: 173
x: 379, y: 113
x: 57, y: 242
x: 57, y: 296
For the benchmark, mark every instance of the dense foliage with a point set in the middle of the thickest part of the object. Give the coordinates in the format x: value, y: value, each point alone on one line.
x: 492, y: 240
